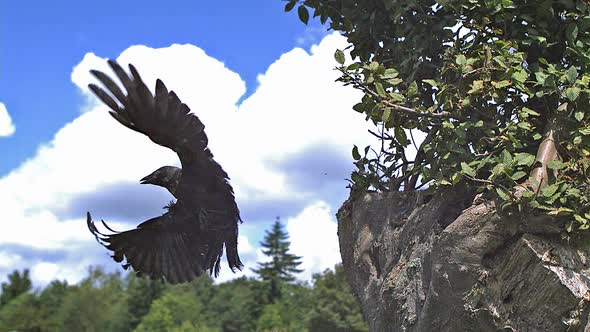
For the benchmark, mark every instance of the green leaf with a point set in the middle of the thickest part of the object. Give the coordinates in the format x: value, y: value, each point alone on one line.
x: 520, y: 76
x: 456, y: 178
x: 339, y: 56
x: 525, y: 159
x: 476, y: 86
x: 572, y: 93
x: 394, y: 81
x: 555, y: 164
x: 574, y: 192
x: 359, y: 107
x: 466, y: 169
x: 390, y: 73
x: 501, y: 84
x: 518, y: 175
x: 569, y: 225
x: 354, y: 66
x: 561, y: 210
x: 303, y: 14
x: 431, y: 82
x: 506, y: 157
x: 412, y: 89
x: 397, y: 97
x: 380, y: 90
x: 500, y: 60
x: 524, y: 125
x: 550, y: 190
x: 289, y: 6
x: 503, y: 195
x: 528, y: 193
x: 386, y: 114
x: 572, y: 74
x: 571, y: 32
x: 529, y: 111
x: 466, y: 102
x: 448, y: 125
x: 355, y: 153
x: 373, y: 66
x: 400, y: 136
x: 499, y: 169
x: 541, y: 77
x: 460, y: 59
x: 579, y: 115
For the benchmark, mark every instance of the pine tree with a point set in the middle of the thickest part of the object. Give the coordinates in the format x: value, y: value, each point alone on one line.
x: 17, y: 284
x: 282, y: 266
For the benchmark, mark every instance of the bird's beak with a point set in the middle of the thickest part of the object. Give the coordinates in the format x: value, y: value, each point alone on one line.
x: 147, y: 179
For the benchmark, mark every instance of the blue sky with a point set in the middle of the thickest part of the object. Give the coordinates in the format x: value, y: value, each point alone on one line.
x: 40, y: 41
x: 261, y: 81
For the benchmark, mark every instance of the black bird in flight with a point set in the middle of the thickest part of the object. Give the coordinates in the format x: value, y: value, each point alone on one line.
x: 189, y: 238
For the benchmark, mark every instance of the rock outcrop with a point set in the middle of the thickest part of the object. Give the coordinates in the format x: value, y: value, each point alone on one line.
x: 421, y: 262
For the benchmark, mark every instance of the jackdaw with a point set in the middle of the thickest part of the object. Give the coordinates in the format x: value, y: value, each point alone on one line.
x: 190, y: 236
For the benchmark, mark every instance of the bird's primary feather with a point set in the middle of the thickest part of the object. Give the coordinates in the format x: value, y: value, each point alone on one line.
x: 190, y: 237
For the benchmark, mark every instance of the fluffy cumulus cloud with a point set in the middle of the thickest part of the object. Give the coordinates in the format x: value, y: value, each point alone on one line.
x: 313, y: 237
x: 286, y: 148
x: 6, y: 126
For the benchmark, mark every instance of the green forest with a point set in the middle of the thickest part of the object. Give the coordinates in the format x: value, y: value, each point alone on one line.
x: 272, y: 301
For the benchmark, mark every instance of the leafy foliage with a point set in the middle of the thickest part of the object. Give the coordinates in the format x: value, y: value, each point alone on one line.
x: 50, y: 301
x: 487, y: 93
x: 174, y: 311
x: 98, y: 303
x: 235, y: 305
x: 20, y: 314
x: 103, y: 302
x: 109, y: 302
x: 141, y: 293
x: 334, y: 307
x: 282, y: 266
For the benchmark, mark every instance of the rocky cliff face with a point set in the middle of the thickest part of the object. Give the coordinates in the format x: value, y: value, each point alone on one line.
x: 439, y: 263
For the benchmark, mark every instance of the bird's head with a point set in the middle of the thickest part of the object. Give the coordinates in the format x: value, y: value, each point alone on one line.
x: 165, y: 176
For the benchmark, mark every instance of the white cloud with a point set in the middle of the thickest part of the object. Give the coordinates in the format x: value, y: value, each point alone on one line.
x: 313, y: 235
x: 9, y: 260
x: 297, y: 105
x: 45, y: 272
x: 6, y: 126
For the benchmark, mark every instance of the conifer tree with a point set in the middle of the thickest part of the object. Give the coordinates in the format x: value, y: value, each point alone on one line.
x: 17, y: 284
x: 282, y: 266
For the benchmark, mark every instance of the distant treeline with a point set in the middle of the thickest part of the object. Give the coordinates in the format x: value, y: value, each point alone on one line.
x: 110, y: 302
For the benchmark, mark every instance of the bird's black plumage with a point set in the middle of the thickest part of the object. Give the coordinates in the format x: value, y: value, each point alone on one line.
x: 190, y: 236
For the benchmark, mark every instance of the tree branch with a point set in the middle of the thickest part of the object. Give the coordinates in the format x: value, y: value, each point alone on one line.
x: 420, y: 156
x: 357, y: 83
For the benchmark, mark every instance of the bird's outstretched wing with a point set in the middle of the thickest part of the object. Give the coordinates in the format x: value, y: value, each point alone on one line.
x: 203, y: 188
x: 163, y: 117
x: 155, y: 249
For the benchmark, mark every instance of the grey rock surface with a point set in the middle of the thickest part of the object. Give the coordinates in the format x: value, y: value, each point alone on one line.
x: 421, y: 262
